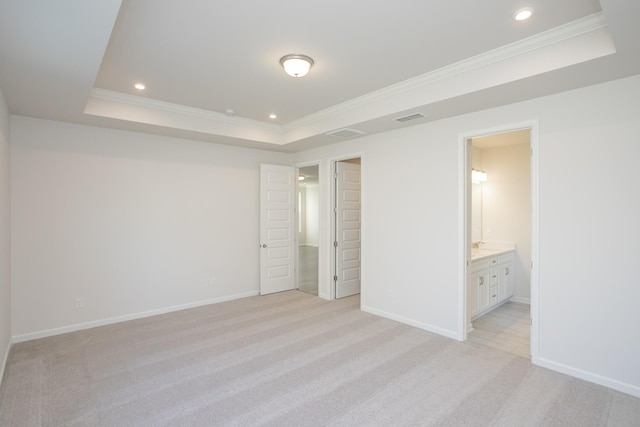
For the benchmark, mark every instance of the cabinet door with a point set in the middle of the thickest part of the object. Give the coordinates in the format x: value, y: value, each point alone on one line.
x: 478, y: 292
x: 483, y: 290
x: 505, y: 281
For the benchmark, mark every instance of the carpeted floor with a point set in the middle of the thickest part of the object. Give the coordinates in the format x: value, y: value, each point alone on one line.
x: 288, y: 359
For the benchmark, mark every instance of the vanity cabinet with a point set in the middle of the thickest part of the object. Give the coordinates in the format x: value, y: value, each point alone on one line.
x: 490, y: 283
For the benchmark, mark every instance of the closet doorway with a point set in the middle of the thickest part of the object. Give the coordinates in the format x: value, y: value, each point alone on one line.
x: 308, y: 228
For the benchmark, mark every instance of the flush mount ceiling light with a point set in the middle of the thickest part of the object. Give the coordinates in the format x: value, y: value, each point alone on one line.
x: 523, y: 14
x: 139, y: 86
x: 296, y: 65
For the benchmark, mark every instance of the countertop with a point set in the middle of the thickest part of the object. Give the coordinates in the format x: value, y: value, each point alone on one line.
x: 488, y: 252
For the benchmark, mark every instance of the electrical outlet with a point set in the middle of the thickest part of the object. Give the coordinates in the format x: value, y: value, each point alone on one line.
x: 79, y: 302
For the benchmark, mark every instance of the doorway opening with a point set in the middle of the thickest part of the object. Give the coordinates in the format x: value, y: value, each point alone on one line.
x: 308, y: 228
x: 346, y: 227
x: 500, y: 239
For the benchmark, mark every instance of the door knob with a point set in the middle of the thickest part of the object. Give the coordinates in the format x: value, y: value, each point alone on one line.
x: 264, y: 245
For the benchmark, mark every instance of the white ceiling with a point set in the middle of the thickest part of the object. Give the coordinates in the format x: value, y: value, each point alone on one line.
x: 375, y: 60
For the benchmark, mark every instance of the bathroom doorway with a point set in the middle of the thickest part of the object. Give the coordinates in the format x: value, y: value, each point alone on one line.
x: 308, y: 228
x: 499, y: 210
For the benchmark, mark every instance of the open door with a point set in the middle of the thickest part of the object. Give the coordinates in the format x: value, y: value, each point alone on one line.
x: 277, y: 228
x: 347, y: 227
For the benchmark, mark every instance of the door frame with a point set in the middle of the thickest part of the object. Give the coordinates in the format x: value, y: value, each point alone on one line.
x: 464, y: 223
x: 330, y: 251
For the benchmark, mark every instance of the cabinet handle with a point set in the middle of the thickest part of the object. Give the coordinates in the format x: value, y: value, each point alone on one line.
x: 506, y: 271
x: 481, y: 280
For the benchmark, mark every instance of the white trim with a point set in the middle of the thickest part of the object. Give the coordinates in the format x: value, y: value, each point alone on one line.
x: 521, y: 300
x: 153, y: 104
x: 589, y: 376
x: 425, y: 326
x: 535, y: 241
x: 5, y: 360
x: 464, y: 255
x: 127, y: 317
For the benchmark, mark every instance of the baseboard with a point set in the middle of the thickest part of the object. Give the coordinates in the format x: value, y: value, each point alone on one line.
x: 118, y: 319
x: 4, y: 361
x: 521, y: 300
x: 411, y: 322
x: 588, y: 376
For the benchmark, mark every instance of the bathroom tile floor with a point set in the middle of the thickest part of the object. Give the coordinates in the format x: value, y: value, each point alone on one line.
x: 506, y: 328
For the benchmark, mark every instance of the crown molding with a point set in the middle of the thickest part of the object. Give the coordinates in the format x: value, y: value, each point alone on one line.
x: 555, y: 35
x: 198, y: 113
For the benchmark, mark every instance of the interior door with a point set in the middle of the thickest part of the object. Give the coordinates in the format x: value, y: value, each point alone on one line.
x: 277, y: 228
x: 347, y: 239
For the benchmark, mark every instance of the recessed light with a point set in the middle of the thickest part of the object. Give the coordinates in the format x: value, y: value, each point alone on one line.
x: 139, y: 86
x: 523, y: 14
x: 229, y: 111
x: 301, y: 178
x: 273, y: 116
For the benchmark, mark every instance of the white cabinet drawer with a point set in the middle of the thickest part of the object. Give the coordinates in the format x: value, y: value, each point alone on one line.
x: 493, y: 295
x: 493, y: 276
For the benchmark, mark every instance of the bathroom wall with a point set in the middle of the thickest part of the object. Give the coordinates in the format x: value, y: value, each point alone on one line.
x: 507, y: 207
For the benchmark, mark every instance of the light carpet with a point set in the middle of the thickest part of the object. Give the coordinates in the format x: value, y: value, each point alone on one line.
x: 288, y: 359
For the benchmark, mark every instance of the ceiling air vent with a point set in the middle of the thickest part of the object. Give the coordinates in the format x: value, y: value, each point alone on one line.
x: 345, y: 133
x: 409, y: 117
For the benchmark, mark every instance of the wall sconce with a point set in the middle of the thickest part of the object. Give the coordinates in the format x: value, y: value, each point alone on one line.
x: 478, y: 176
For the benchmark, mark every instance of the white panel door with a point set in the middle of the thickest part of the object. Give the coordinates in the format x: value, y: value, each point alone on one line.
x: 347, y: 229
x: 277, y: 228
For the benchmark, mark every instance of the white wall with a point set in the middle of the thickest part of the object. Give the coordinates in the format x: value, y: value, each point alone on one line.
x: 5, y: 237
x: 588, y: 222
x: 507, y: 207
x: 131, y: 223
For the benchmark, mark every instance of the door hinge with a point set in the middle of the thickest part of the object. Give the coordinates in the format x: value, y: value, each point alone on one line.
x: 335, y: 278
x: 335, y: 175
x: 335, y: 244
